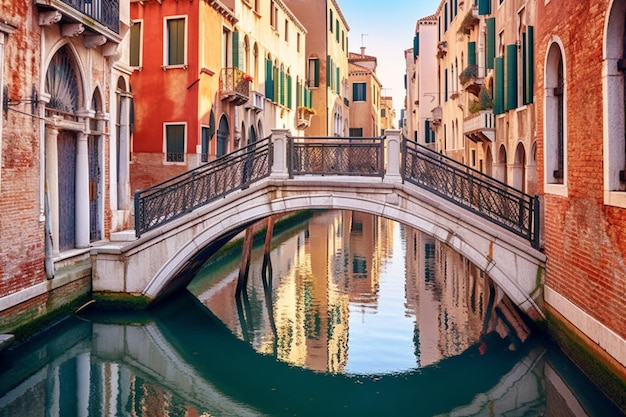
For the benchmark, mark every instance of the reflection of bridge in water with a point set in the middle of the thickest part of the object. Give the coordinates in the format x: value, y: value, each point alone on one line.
x: 170, y: 364
x: 183, y: 221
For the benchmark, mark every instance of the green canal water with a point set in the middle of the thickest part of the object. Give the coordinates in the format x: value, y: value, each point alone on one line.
x: 350, y: 315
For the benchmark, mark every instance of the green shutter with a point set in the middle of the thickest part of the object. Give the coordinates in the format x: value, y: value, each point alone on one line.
x: 529, y: 65
x: 511, y: 77
x: 498, y: 86
x: 471, y: 53
x: 269, y: 85
x: 484, y: 7
x: 416, y: 46
x: 282, y: 87
x: 491, y: 41
x: 426, y: 131
x: 289, y: 105
x: 276, y: 78
x: 135, y: 44
x: 338, y: 82
x: 317, y: 72
x: 236, y: 59
x: 329, y: 63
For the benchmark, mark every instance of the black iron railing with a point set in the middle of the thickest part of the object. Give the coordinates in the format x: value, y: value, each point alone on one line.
x: 180, y: 195
x: 105, y: 12
x: 496, y: 201
x: 336, y: 156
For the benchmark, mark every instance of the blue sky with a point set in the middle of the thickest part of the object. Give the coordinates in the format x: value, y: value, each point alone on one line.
x: 387, y: 27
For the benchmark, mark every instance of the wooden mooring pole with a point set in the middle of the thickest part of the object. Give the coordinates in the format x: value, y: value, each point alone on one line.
x: 246, y: 253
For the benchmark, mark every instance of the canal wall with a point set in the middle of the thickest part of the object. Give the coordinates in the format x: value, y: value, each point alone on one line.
x: 26, y: 312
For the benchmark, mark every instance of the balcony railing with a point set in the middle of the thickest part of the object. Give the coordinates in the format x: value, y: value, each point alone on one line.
x: 235, y: 86
x: 480, y: 126
x: 104, y: 12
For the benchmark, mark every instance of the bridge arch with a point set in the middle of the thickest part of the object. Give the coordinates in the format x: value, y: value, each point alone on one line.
x: 508, y: 261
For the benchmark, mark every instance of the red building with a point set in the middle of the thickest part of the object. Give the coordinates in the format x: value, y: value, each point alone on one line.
x: 581, y: 159
x: 186, y: 87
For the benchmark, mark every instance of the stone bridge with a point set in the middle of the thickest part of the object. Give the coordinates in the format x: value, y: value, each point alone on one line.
x: 167, y: 257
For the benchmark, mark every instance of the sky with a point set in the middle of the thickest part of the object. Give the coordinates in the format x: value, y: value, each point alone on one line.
x: 386, y: 28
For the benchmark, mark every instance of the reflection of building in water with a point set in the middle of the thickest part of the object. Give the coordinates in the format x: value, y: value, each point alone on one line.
x: 454, y: 303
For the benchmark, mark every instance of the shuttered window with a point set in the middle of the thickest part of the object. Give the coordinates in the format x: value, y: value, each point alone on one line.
x: 175, y: 143
x: 269, y: 80
x: 491, y: 42
x: 135, y: 44
x: 416, y: 46
x: 237, y: 61
x: 498, y: 93
x: 359, y: 92
x: 289, y: 103
x: 484, y: 7
x: 471, y: 53
x: 511, y: 77
x: 314, y: 72
x: 176, y: 41
x: 529, y: 65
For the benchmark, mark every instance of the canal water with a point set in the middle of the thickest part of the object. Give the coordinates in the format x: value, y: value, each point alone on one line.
x: 349, y: 315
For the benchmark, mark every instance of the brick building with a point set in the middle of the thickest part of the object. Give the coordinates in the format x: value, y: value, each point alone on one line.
x: 63, y: 181
x: 581, y: 160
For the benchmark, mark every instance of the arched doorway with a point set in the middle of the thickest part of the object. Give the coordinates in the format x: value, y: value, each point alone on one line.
x: 501, y: 168
x: 62, y: 84
x: 488, y: 162
x: 94, y: 150
x: 518, y: 172
x: 223, y: 132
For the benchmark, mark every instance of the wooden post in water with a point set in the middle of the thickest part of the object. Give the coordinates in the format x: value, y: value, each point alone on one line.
x: 268, y: 236
x: 244, y: 266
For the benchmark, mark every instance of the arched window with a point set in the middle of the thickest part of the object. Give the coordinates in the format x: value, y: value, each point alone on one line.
x: 555, y: 137
x: 614, y: 83
x: 223, y: 132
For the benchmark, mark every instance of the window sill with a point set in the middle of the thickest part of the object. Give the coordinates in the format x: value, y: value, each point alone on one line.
x: 556, y: 189
x: 178, y: 66
x: 615, y: 198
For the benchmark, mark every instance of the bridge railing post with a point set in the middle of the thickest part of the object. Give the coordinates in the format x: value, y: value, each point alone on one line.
x: 392, y: 172
x: 280, y: 140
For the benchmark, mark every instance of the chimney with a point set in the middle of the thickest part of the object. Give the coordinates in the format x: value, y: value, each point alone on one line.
x: 362, y: 51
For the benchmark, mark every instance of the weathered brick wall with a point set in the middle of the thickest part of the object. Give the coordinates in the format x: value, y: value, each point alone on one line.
x: 585, y: 241
x: 21, y: 231
x: 148, y: 169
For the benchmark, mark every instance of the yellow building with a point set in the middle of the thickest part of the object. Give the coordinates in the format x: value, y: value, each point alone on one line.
x: 327, y: 65
x: 365, y: 98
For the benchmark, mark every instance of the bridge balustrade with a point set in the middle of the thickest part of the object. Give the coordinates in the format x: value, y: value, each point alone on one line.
x: 496, y: 201
x: 336, y: 156
x: 182, y: 194
x: 470, y: 189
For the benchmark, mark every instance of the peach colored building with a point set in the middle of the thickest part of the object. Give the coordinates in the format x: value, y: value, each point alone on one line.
x: 365, y: 96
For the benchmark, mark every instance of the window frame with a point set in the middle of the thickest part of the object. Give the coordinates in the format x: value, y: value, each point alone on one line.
x: 552, y: 185
x: 362, y: 89
x: 166, y: 152
x: 166, y: 41
x: 139, y: 46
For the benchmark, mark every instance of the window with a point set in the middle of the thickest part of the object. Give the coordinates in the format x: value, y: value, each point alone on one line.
x: 554, y: 120
x: 614, y: 86
x: 356, y: 132
x: 337, y: 30
x: 359, y: 92
x: 175, y: 45
x: 135, y: 44
x: 273, y: 15
x: 298, y: 41
x: 175, y: 143
x: 314, y: 72
x: 331, y: 20
x: 286, y: 30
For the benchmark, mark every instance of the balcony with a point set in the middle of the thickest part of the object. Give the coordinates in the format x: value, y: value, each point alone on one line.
x: 303, y: 117
x: 96, y: 17
x: 470, y: 80
x: 235, y: 86
x: 257, y: 102
x: 480, y: 126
